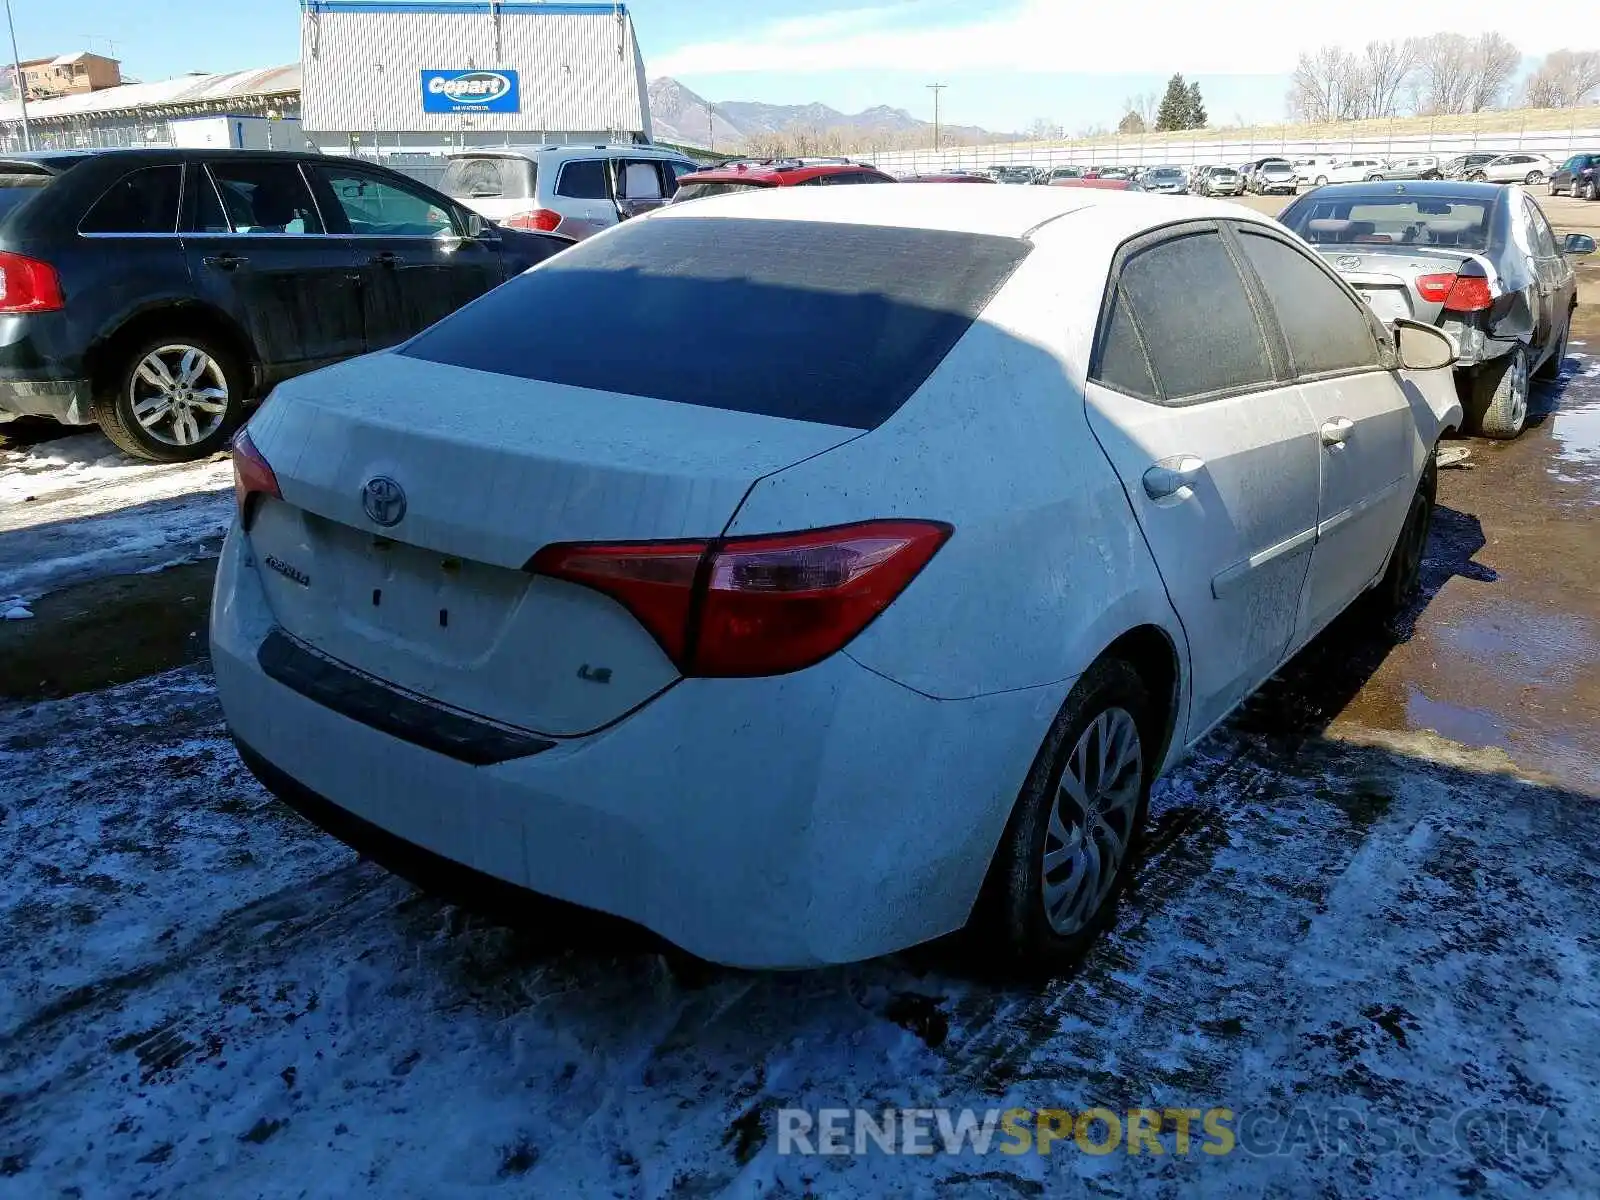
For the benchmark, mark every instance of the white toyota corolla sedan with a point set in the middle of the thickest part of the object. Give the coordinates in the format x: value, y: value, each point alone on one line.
x: 805, y: 575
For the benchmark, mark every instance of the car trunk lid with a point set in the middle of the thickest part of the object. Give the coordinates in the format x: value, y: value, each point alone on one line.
x: 1387, y: 278
x: 492, y: 468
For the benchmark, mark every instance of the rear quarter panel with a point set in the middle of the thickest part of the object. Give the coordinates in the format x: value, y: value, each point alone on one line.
x: 1046, y: 565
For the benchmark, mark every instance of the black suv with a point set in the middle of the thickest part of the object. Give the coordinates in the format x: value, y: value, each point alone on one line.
x: 157, y: 291
x: 1578, y: 177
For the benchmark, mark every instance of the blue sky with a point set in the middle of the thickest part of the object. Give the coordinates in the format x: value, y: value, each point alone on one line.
x: 1006, y: 61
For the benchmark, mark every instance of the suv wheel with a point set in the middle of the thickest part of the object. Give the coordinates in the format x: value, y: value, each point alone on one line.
x: 1322, y: 181
x: 1499, y: 396
x: 1068, y: 849
x: 1534, y: 178
x: 1478, y: 177
x: 173, y: 399
x: 1591, y: 190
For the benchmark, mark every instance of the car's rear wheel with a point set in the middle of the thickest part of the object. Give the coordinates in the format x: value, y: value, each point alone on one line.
x: 1403, y: 579
x: 1534, y: 178
x: 1577, y: 189
x: 1591, y: 190
x: 1498, y: 399
x: 1069, y: 846
x: 1374, y: 178
x: 1478, y: 177
x: 1555, y: 190
x: 175, y: 398
x: 1322, y: 180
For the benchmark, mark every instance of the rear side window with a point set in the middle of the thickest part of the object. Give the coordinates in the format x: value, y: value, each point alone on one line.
x: 1326, y: 329
x: 489, y: 179
x: 812, y: 321
x: 641, y: 181
x: 142, y: 201
x: 1187, y: 303
x: 583, y: 179
x: 698, y: 191
x: 21, y: 181
x: 258, y: 197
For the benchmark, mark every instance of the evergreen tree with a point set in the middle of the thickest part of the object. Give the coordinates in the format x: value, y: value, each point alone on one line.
x: 1132, y: 123
x: 1174, y: 110
x: 1197, y: 108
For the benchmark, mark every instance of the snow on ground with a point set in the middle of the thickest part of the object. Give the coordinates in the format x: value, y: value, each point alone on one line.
x: 202, y: 996
x: 76, y: 508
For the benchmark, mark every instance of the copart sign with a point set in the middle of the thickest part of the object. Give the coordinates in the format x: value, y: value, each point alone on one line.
x: 470, y: 92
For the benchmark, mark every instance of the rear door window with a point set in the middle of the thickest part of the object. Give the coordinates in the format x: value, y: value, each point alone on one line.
x: 641, y: 180
x: 1187, y: 302
x: 253, y: 196
x: 1327, y: 330
x: 810, y: 321
x: 142, y: 201
x: 583, y: 179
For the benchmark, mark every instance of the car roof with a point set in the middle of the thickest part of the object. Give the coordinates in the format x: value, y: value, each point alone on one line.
x: 575, y: 149
x: 1001, y: 212
x: 779, y: 172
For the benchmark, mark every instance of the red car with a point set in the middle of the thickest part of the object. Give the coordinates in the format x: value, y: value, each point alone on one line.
x: 951, y: 178
x: 743, y: 175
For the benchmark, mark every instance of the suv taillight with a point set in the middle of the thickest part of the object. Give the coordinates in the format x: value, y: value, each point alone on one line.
x: 252, y: 475
x: 28, y: 285
x: 542, y: 219
x: 754, y: 605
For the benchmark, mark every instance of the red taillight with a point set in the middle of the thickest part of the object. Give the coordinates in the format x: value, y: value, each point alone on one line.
x: 1435, y: 289
x: 28, y: 285
x: 252, y: 474
x: 754, y: 605
x: 542, y: 219
x: 1469, y: 294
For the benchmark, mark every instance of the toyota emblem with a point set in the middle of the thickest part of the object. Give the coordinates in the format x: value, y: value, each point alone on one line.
x: 1349, y: 262
x: 384, y: 500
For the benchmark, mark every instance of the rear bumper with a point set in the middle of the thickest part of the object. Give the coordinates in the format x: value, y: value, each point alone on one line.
x: 64, y: 400
x: 824, y: 816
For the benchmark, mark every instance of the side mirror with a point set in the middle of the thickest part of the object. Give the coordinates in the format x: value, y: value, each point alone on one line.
x: 1422, y: 347
x: 1577, y: 243
x: 478, y: 229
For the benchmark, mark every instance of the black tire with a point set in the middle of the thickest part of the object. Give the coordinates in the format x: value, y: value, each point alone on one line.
x: 1322, y: 181
x: 1403, y: 579
x: 1554, y: 190
x: 1374, y: 178
x: 1495, y: 409
x: 1534, y: 178
x: 1550, y: 368
x: 114, y: 401
x: 1591, y: 190
x: 1012, y: 921
x: 1577, y: 189
x: 1478, y: 177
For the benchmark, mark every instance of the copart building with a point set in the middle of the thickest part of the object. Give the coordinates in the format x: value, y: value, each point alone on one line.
x: 399, y: 80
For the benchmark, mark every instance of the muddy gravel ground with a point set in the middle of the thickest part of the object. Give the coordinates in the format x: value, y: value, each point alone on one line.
x: 1366, y: 926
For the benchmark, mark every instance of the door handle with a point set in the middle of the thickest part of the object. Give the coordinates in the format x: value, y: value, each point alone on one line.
x: 386, y: 258
x: 1171, y: 475
x: 226, y: 262
x: 1335, y: 431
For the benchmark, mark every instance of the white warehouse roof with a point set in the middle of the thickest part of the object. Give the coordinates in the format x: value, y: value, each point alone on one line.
x: 391, y: 66
x: 212, y: 91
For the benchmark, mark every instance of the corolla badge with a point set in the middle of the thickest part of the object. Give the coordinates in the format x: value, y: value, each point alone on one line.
x: 475, y: 87
x: 1349, y: 261
x: 384, y: 500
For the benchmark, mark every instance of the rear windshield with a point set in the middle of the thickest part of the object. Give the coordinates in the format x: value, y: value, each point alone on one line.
x: 1393, y: 220
x: 699, y: 191
x: 823, y: 322
x: 488, y: 179
x: 19, y: 181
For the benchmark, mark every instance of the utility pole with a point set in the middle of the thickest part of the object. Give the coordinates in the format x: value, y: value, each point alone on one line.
x: 711, y: 133
x: 21, y: 84
x: 935, y: 88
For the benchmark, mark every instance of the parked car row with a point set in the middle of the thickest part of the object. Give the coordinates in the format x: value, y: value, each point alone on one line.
x: 728, y: 572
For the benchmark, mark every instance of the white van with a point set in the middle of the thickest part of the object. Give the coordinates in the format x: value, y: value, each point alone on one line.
x: 574, y: 190
x: 1306, y: 170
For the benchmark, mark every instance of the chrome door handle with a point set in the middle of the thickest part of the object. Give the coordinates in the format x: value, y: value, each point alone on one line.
x: 1336, y: 430
x: 1171, y: 475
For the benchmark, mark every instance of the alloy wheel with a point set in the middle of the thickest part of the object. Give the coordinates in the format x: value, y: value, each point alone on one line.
x: 1092, y: 821
x: 179, y: 394
x: 1519, y: 390
x: 1534, y: 178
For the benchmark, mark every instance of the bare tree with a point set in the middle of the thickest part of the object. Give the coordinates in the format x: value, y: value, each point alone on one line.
x: 1043, y: 129
x: 1445, y: 75
x: 1326, y: 86
x: 1384, y: 70
x: 1564, y: 79
x: 1494, y: 63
